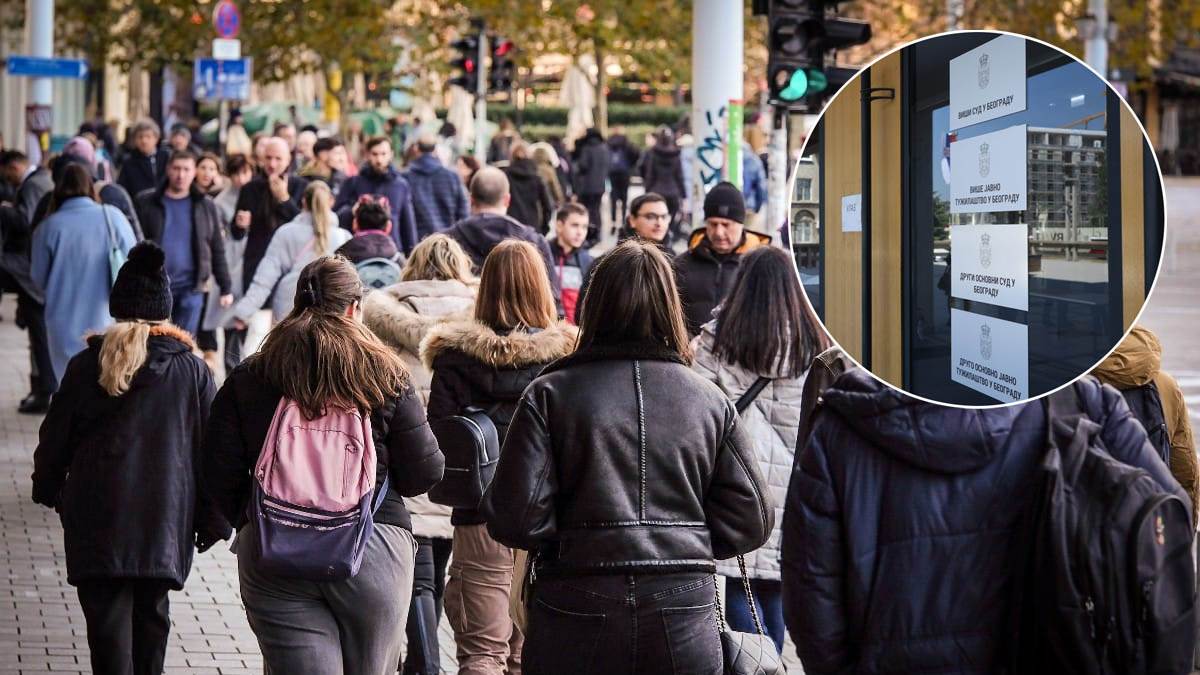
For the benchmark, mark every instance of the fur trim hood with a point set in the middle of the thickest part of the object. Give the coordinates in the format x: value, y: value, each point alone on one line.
x: 167, y: 330
x: 402, y: 314
x: 515, y: 350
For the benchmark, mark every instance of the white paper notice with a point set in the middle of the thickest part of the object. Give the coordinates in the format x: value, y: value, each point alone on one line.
x: 989, y: 355
x: 990, y: 263
x: 987, y: 82
x: 852, y: 213
x: 988, y: 172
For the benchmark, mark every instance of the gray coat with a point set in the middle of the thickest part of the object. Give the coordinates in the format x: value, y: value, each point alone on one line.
x: 772, y: 422
x: 292, y: 247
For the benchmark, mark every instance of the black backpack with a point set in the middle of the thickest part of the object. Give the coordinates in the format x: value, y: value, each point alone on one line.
x: 1147, y: 407
x: 1106, y: 584
x: 471, y: 444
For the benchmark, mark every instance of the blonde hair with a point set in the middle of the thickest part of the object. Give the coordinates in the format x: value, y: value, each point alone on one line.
x: 122, y: 354
x: 439, y: 258
x: 317, y: 201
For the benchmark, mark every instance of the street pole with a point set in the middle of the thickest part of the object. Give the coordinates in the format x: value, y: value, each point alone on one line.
x: 40, y: 14
x: 717, y: 50
x: 481, y: 87
x: 1096, y: 46
x: 777, y: 171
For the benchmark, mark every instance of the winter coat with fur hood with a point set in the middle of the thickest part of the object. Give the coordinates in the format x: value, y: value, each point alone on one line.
x: 772, y: 421
x: 473, y: 364
x: 402, y: 315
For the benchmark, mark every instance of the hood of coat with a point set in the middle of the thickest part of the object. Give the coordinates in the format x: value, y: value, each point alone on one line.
x: 1135, y: 362
x: 402, y: 314
x: 517, y: 349
x: 698, y: 243
x: 427, y: 164
x: 166, y: 342
x: 668, y: 152
x: 931, y: 437
x: 524, y: 169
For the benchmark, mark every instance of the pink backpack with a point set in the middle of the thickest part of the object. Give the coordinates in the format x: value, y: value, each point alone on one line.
x: 312, y: 505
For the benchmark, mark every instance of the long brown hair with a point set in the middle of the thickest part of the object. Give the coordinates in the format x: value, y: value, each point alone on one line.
x: 764, y: 324
x: 318, y: 356
x: 514, y: 291
x: 75, y: 181
x: 633, y: 298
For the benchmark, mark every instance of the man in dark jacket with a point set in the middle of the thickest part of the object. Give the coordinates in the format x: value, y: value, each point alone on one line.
x: 531, y: 202
x: 372, y: 235
x: 438, y: 197
x: 379, y: 177
x: 489, y: 225
x: 265, y: 203
x: 187, y: 225
x: 29, y: 183
x: 321, y: 167
x: 146, y: 163
x: 661, y: 168
x: 591, y: 171
x: 622, y: 158
x: 705, y: 272
x: 903, y: 522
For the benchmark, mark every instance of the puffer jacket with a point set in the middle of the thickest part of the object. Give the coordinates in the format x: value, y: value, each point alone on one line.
x: 472, y: 364
x: 772, y: 421
x: 591, y: 480
x: 531, y: 202
x: 901, y: 531
x: 1137, y: 361
x: 402, y: 315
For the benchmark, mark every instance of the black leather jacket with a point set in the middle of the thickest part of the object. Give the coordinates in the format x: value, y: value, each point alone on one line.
x: 622, y: 459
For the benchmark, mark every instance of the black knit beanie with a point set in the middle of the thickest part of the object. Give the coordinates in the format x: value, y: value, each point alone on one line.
x: 141, y: 290
x: 725, y: 201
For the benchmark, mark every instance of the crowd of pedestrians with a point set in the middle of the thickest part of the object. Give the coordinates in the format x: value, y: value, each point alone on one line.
x: 413, y: 391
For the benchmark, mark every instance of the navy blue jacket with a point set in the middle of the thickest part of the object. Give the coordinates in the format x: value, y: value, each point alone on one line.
x: 901, y: 525
x: 438, y: 197
x: 399, y: 194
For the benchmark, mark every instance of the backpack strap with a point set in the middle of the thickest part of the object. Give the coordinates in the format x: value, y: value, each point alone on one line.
x: 380, y: 494
x: 1068, y: 428
x: 752, y: 393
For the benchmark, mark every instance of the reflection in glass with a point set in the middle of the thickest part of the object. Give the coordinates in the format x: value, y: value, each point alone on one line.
x: 806, y: 228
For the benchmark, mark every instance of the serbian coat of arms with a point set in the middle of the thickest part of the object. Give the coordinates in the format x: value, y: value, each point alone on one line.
x: 985, y: 71
x: 985, y: 161
x: 985, y: 250
x: 985, y: 341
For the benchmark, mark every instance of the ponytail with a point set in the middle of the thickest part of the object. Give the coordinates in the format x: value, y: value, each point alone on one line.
x: 319, y: 200
x: 122, y: 354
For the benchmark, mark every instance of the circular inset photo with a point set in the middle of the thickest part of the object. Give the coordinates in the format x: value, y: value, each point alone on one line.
x: 977, y: 218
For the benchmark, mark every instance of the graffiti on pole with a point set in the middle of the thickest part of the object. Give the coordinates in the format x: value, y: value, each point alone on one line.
x: 711, y: 149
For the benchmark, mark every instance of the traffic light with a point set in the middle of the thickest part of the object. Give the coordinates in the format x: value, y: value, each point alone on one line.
x: 500, y: 75
x: 800, y: 33
x: 466, y: 61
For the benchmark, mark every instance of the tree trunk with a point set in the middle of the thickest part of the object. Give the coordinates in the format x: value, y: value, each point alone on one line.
x: 601, y: 97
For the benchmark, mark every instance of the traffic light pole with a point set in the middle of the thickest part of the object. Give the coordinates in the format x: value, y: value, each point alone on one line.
x: 481, y: 88
x: 777, y: 171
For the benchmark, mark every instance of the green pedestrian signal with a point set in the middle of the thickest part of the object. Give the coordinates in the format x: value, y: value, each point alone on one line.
x: 801, y: 83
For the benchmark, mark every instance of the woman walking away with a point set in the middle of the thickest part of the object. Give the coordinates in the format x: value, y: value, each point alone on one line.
x: 72, y: 263
x: 324, y: 361
x: 310, y: 235
x: 624, y: 516
x: 437, y: 286
x: 118, y: 458
x: 760, y: 347
x: 486, y: 363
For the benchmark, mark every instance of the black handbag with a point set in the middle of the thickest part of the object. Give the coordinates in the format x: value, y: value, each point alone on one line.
x: 746, y: 653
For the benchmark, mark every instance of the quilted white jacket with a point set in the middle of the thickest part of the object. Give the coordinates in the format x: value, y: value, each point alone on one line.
x: 772, y: 420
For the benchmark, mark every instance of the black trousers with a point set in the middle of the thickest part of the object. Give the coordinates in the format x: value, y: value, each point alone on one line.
x: 425, y: 611
x: 620, y: 192
x: 234, y: 339
x: 592, y: 204
x: 31, y: 315
x: 127, y: 625
x: 614, y: 624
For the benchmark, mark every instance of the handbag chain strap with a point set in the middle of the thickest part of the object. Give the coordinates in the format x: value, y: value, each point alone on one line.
x: 749, y: 600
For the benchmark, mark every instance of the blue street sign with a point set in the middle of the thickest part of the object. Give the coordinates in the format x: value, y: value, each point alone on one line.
x: 36, y: 66
x: 215, y: 79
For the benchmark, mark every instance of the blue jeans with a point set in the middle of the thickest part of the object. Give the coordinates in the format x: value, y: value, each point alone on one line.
x: 768, y: 602
x: 187, y: 308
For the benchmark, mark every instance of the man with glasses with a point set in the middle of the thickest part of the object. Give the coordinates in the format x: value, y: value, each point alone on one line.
x: 648, y: 219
